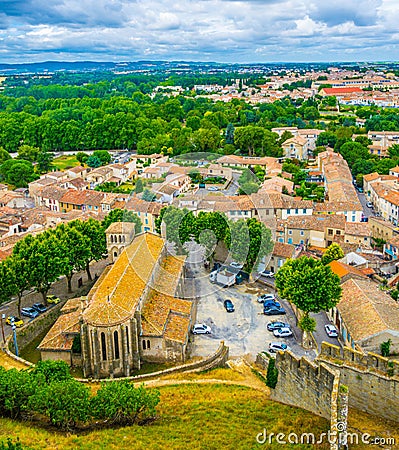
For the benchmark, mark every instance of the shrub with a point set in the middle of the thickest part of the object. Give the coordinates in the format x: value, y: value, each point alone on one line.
x: 121, y: 403
x: 65, y: 403
x: 272, y: 374
x: 52, y: 371
x: 307, y: 323
x: 386, y: 348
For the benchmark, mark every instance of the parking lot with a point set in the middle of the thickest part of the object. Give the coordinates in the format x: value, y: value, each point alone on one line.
x: 244, y: 330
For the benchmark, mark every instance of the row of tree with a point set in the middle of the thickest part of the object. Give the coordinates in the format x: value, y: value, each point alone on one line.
x: 248, y: 241
x: 48, y: 390
x: 37, y: 261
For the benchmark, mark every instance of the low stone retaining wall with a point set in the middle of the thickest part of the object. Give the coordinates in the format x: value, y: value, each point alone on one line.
x: 218, y: 359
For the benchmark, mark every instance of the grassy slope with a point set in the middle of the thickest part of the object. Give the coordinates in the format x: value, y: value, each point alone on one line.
x: 65, y: 162
x: 191, y: 417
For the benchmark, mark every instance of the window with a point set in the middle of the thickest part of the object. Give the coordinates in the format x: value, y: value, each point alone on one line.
x: 338, y: 232
x: 281, y: 240
x: 290, y: 240
x: 116, y: 345
x: 296, y: 210
x: 148, y: 344
x: 288, y: 211
x: 103, y: 347
x: 330, y: 232
x: 290, y: 232
x: 302, y: 233
x: 127, y: 340
x: 144, y: 345
x: 304, y: 210
x: 301, y: 242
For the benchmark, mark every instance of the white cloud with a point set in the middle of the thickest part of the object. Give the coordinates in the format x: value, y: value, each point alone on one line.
x: 226, y: 30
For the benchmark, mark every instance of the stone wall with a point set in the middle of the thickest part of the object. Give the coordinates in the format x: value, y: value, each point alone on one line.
x: 32, y: 329
x: 306, y: 385
x: 373, y: 380
x: 218, y: 359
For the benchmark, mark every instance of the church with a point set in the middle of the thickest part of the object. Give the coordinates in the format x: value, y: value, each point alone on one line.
x: 135, y: 312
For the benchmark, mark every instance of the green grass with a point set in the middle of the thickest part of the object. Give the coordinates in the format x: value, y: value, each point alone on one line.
x: 210, y: 417
x: 65, y: 162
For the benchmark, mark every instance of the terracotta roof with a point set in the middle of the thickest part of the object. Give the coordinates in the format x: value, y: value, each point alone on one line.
x: 299, y: 140
x: 77, y: 169
x: 138, y: 205
x: 283, y: 250
x: 371, y: 176
x: 61, y: 335
x: 74, y: 197
x: 358, y: 229
x: 340, y: 91
x: 342, y: 269
x: 115, y: 296
x: 366, y: 309
x: 316, y: 222
x: 121, y: 227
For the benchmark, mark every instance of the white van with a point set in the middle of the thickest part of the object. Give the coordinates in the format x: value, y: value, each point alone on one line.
x: 212, y: 276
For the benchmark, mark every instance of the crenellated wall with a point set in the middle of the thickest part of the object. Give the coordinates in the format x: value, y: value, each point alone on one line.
x: 306, y: 385
x: 373, y: 380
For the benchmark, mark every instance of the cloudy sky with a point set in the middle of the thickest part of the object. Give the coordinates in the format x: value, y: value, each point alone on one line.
x: 200, y: 30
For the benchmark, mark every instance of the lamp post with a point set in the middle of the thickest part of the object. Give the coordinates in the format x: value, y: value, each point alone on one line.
x: 14, y: 333
x: 3, y: 316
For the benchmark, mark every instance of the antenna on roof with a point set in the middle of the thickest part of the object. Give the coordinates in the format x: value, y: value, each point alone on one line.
x: 108, y: 299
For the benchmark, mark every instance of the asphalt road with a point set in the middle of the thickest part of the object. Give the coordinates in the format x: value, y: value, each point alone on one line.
x: 366, y: 210
x: 243, y: 331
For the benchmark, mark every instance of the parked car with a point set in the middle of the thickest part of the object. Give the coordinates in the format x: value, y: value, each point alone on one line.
x: 236, y: 265
x: 275, y: 347
x: 17, y: 321
x: 29, y: 312
x: 267, y: 274
x: 360, y: 189
x: 275, y: 325
x: 271, y: 304
x: 369, y: 205
x: 282, y: 332
x: 266, y: 297
x: 213, y: 188
x: 273, y: 311
x: 331, y: 331
x: 228, y: 304
x: 39, y: 307
x: 201, y: 328
x: 53, y: 299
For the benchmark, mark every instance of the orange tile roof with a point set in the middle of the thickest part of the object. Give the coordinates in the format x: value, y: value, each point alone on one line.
x: 342, y: 269
x: 116, y: 295
x: 61, y: 335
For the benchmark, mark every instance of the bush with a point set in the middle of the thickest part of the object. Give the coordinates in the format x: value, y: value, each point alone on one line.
x: 10, y: 445
x: 386, y: 348
x: 52, y: 371
x: 307, y: 324
x: 121, y: 403
x: 272, y: 374
x: 65, y: 403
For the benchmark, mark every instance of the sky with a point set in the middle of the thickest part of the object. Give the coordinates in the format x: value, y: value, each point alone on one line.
x: 199, y: 30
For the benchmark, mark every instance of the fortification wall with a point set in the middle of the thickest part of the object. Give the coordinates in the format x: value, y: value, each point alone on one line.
x: 301, y: 383
x: 373, y: 380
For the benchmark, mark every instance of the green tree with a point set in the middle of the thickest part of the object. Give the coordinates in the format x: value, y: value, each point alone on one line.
x: 121, y: 403
x: 44, y: 259
x: 260, y: 243
x: 4, y: 155
x: 393, y: 151
x: 229, y: 134
x: 148, y: 196
x: 93, y: 161
x: 93, y: 230
x: 354, y: 151
x: 139, y: 186
x: 17, y: 172
x: 386, y: 348
x: 75, y: 248
x: 13, y: 279
x: 103, y: 156
x: 28, y: 153
x: 44, y: 161
x: 82, y: 157
x: 122, y: 215
x: 333, y: 252
x: 308, y: 284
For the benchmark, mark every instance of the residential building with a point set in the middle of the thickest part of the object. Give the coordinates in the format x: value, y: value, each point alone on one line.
x: 296, y: 147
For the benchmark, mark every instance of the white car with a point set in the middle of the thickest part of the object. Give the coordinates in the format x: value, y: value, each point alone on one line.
x: 266, y: 297
x: 331, y: 331
x: 213, y: 188
x: 369, y: 205
x: 275, y: 347
x: 201, y: 328
x: 236, y: 265
x: 267, y: 274
x: 282, y: 332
